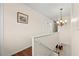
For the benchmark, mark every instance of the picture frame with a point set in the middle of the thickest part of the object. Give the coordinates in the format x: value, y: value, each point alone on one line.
x: 22, y: 18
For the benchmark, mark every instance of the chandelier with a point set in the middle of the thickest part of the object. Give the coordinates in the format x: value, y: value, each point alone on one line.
x: 61, y: 22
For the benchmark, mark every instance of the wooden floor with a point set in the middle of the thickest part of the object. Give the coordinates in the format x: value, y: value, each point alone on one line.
x: 26, y: 52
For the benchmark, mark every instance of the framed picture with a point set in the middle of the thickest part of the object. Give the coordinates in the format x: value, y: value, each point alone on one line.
x: 22, y: 18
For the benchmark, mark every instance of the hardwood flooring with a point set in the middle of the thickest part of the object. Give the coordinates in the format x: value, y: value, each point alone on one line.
x: 25, y: 52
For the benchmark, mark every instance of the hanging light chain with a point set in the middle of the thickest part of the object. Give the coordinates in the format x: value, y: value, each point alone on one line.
x: 61, y: 13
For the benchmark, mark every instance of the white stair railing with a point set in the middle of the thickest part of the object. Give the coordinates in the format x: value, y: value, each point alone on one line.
x: 44, y: 45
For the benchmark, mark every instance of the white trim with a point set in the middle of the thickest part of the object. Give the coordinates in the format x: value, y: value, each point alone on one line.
x: 2, y: 29
x: 33, y: 46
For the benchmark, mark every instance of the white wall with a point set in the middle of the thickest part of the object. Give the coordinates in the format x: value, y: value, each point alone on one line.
x: 18, y: 36
x: 75, y: 29
x: 65, y: 36
x: 64, y: 32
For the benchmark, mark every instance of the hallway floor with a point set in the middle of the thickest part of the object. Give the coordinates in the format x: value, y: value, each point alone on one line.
x: 25, y: 52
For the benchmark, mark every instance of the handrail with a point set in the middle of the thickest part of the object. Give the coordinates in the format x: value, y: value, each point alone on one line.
x: 43, y: 35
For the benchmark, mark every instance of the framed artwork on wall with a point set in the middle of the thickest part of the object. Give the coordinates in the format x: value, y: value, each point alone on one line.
x: 22, y: 18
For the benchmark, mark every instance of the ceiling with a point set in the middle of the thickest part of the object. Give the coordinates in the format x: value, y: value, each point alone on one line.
x: 51, y: 10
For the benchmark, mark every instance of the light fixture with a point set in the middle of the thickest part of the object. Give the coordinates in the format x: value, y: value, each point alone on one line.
x: 61, y: 22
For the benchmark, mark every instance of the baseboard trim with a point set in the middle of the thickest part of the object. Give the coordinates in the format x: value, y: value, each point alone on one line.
x: 21, y: 49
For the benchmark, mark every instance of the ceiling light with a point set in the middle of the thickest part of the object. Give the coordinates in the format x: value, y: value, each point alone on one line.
x: 61, y: 22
